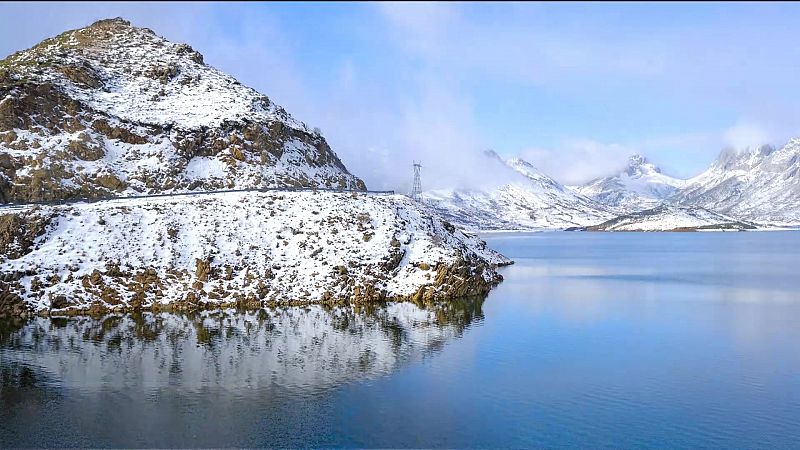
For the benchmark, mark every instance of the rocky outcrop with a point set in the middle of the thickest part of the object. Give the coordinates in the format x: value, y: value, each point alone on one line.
x: 18, y: 231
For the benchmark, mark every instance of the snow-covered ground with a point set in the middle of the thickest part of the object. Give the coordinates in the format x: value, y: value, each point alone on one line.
x: 253, y: 246
x: 672, y: 218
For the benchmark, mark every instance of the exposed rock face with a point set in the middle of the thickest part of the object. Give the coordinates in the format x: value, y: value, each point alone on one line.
x: 112, y: 109
x: 18, y: 231
x: 243, y: 249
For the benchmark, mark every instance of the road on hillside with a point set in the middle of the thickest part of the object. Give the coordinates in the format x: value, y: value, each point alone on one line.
x: 11, y: 205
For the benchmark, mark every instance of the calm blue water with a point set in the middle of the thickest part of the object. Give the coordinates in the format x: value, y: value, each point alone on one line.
x: 594, y: 340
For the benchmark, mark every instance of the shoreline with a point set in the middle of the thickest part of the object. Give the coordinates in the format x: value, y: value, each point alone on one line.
x: 98, y: 311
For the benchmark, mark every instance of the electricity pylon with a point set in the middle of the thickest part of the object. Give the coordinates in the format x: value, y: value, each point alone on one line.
x: 416, y: 189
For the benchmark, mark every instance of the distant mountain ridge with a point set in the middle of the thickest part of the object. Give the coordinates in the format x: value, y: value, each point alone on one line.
x: 740, y: 190
x: 115, y: 110
x: 668, y: 217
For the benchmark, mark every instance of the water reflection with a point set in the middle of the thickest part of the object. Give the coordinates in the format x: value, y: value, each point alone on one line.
x: 304, y: 349
x: 205, y: 379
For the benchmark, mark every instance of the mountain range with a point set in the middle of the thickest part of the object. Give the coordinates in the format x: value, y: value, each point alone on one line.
x: 112, y: 110
x: 740, y: 190
x: 525, y: 199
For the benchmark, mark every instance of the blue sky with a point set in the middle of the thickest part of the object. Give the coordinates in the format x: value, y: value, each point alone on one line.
x: 573, y: 87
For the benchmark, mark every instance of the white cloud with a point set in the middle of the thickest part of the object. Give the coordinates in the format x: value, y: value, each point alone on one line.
x: 578, y: 160
x: 745, y: 135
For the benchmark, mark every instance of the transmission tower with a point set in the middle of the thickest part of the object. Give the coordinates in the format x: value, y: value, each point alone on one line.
x: 416, y: 189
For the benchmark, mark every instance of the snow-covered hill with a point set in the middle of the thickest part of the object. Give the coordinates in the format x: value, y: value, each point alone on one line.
x: 249, y: 248
x: 112, y: 109
x: 761, y: 185
x: 524, y: 198
x: 672, y: 218
x: 640, y: 186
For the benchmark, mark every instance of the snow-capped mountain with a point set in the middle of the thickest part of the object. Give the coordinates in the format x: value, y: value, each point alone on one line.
x: 640, y: 186
x: 524, y: 199
x: 112, y: 109
x: 760, y: 185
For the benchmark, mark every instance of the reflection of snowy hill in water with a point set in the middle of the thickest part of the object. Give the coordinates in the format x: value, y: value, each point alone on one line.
x: 298, y: 349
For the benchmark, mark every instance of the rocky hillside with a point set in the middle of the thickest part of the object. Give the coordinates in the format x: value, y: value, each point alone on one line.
x: 246, y: 249
x: 760, y: 185
x: 524, y: 199
x: 639, y: 186
x: 112, y: 109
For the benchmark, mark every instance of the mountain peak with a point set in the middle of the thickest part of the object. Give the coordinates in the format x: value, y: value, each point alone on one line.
x: 490, y: 153
x: 728, y: 157
x: 519, y: 162
x: 111, y: 23
x: 639, y: 165
x: 765, y: 150
x: 636, y: 160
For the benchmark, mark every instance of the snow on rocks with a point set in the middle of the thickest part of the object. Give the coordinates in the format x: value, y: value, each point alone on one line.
x: 112, y: 109
x: 249, y: 249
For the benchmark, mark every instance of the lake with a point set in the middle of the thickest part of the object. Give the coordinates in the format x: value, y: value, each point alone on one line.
x: 594, y: 340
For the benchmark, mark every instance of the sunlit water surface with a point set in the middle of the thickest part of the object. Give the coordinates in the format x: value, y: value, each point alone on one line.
x: 684, y: 340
